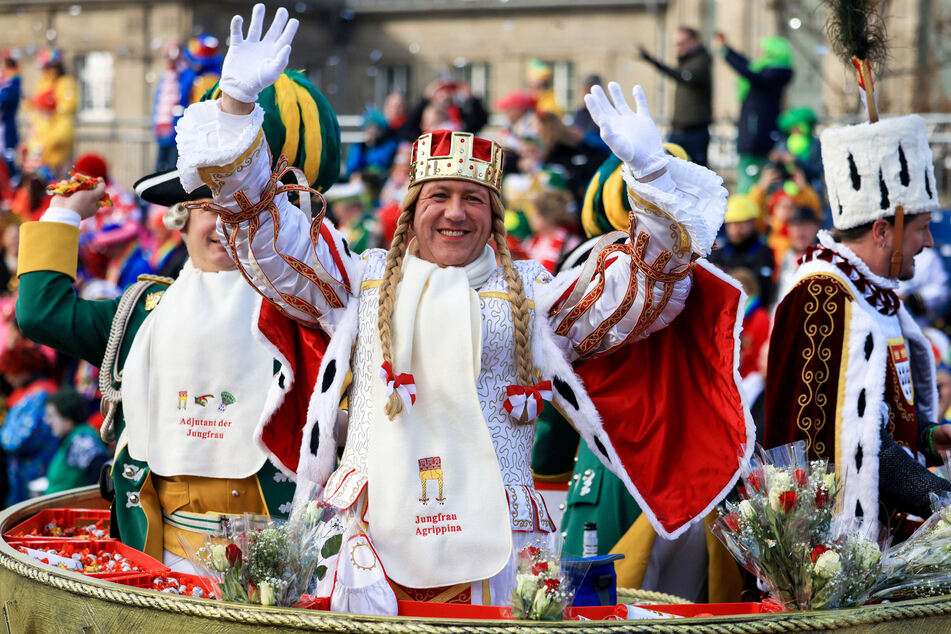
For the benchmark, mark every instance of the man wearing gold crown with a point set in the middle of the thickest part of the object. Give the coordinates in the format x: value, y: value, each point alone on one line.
x: 447, y: 349
x: 849, y: 370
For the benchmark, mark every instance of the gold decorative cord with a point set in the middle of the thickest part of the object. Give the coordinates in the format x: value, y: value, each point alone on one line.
x: 819, y: 324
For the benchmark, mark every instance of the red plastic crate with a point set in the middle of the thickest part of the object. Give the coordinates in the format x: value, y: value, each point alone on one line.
x: 714, y: 609
x: 145, y: 580
x: 65, y: 518
x: 67, y: 547
x: 427, y: 609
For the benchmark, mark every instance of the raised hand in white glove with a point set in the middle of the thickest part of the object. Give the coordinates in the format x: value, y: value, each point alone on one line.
x: 254, y: 63
x: 631, y: 135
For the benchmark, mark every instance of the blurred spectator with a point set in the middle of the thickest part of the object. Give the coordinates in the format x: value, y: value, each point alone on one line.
x: 396, y: 112
x: 348, y: 209
x: 539, y: 77
x: 944, y: 391
x: 9, y: 104
x: 745, y: 248
x: 30, y: 199
x: 582, y: 118
x: 755, y: 321
x: 115, y: 231
x: 553, y: 227
x: 397, y: 184
x: 925, y: 295
x: 799, y: 148
x: 803, y: 230
x: 693, y: 94
x: 373, y: 155
x: 53, y: 111
x: 26, y: 438
x: 201, y: 71
x: 81, y: 453
x: 565, y: 148
x: 464, y: 110
x: 167, y: 107
x: 760, y: 89
x: 9, y: 250
x: 519, y: 111
x: 780, y: 206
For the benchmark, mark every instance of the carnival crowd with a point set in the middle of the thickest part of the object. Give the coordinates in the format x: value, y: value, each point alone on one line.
x: 556, y: 190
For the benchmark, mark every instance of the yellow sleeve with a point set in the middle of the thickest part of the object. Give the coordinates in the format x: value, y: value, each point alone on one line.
x: 48, y: 246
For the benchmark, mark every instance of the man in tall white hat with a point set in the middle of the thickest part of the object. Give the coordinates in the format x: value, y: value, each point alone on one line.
x: 453, y: 348
x: 849, y: 370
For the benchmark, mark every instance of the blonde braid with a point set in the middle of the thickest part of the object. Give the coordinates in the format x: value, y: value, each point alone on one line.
x: 392, y: 275
x: 520, y: 310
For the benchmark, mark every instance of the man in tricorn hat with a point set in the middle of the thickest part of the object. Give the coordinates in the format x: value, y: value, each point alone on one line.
x: 452, y: 349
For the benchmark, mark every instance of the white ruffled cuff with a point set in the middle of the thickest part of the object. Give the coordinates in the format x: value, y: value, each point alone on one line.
x: 208, y: 137
x: 61, y: 214
x: 697, y: 200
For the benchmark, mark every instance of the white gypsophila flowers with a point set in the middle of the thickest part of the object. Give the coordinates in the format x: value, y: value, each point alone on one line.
x: 828, y: 564
x: 867, y: 552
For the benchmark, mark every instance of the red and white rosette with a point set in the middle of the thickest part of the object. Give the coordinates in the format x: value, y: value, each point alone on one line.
x: 404, y: 384
x: 526, y: 402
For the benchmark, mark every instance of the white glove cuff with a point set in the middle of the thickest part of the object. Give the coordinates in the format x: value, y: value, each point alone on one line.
x: 241, y: 91
x: 649, y: 164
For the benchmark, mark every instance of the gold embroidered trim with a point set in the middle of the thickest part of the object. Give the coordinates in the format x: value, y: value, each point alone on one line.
x: 214, y: 175
x: 819, y: 324
x: 681, y: 238
x: 840, y: 397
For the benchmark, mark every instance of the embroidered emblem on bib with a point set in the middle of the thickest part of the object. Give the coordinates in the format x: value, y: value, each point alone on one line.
x: 182, y: 399
x: 152, y: 299
x: 203, y: 399
x: 430, y: 469
x: 227, y: 398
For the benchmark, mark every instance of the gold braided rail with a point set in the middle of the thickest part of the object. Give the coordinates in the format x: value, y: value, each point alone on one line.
x: 29, y: 575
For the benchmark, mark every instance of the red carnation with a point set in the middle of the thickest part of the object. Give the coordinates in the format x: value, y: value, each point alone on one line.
x: 800, y: 476
x: 756, y: 480
x: 788, y: 500
x: 551, y: 585
x: 530, y: 552
x: 540, y: 567
x: 234, y: 554
x: 822, y: 497
x: 818, y: 550
x: 731, y: 523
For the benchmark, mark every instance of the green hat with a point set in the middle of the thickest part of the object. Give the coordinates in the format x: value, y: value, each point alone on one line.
x: 796, y: 116
x: 299, y: 123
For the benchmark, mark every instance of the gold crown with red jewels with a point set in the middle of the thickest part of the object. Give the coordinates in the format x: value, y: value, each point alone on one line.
x: 457, y: 155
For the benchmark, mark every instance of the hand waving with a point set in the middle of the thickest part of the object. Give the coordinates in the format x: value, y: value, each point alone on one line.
x: 631, y: 135
x: 254, y: 63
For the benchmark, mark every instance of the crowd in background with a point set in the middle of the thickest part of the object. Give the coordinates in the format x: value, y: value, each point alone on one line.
x: 50, y: 414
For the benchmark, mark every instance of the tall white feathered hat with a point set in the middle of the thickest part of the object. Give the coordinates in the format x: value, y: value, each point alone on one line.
x: 873, y: 168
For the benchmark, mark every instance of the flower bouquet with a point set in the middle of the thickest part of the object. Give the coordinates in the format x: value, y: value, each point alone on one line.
x: 255, y: 560
x: 541, y: 593
x: 782, y: 530
x: 921, y: 565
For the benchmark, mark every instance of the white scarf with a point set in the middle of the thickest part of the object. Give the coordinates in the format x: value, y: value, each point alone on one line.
x: 426, y: 539
x: 195, y: 380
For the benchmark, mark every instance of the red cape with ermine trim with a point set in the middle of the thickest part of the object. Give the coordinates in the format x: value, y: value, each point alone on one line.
x: 671, y: 404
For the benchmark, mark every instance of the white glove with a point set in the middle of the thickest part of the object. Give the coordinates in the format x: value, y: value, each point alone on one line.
x: 255, y: 63
x: 632, y: 136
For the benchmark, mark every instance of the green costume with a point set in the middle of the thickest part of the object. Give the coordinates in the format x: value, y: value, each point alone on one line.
x: 49, y: 312
x: 78, y: 460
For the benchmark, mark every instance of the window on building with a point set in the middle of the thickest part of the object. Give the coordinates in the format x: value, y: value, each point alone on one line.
x: 390, y: 79
x: 564, y: 84
x: 476, y: 74
x: 96, y: 74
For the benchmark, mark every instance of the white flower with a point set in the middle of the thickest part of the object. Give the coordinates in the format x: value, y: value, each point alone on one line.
x: 829, y: 481
x: 526, y: 586
x: 867, y: 552
x: 828, y: 564
x: 746, y: 510
x: 219, y: 558
x: 267, y: 593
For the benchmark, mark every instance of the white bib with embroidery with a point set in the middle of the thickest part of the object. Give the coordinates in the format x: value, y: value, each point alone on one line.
x: 195, y: 380
x: 436, y: 508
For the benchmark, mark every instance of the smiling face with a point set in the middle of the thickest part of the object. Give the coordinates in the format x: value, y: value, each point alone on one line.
x: 452, y: 221
x: 201, y: 241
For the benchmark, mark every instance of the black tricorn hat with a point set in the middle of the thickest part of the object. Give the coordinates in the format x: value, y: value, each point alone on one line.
x: 165, y: 188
